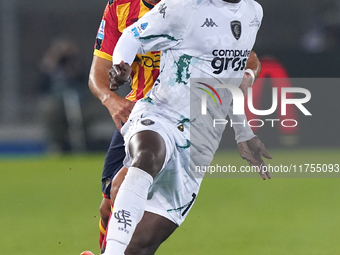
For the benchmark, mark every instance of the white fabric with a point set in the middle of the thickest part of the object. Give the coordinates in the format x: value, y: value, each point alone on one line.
x: 197, y: 41
x: 243, y: 131
x: 201, y: 40
x: 175, y: 187
x: 126, y: 56
x: 128, y: 210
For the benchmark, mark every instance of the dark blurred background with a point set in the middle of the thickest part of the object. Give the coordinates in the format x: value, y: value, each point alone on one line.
x: 46, y: 50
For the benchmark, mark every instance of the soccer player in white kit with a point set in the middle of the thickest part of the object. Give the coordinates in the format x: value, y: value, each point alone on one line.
x: 165, y: 136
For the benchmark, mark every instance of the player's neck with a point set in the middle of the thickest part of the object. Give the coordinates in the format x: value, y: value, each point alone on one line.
x: 232, y: 1
x: 153, y: 1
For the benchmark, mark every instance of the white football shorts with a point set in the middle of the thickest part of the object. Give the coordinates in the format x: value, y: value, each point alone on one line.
x: 175, y: 188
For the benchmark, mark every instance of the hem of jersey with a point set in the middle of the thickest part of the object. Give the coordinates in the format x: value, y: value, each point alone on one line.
x: 103, y: 55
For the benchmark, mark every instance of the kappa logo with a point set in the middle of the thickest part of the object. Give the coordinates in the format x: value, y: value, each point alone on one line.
x: 236, y: 29
x: 209, y: 23
x: 162, y: 9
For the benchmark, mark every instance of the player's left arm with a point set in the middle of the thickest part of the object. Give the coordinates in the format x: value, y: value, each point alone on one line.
x: 252, y: 72
x: 249, y: 145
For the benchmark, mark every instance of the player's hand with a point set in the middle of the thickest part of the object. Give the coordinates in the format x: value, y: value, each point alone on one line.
x: 119, y: 75
x: 246, y: 83
x: 119, y: 108
x: 252, y: 151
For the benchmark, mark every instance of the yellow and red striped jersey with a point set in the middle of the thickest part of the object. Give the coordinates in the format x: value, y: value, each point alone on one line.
x: 118, y: 15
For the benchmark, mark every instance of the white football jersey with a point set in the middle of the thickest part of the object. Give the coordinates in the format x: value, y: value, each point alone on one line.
x: 199, y: 39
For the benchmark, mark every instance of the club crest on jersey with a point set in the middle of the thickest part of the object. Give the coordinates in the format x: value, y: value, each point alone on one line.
x: 236, y: 29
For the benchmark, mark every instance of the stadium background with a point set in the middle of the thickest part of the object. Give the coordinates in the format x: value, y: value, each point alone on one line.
x: 49, y: 202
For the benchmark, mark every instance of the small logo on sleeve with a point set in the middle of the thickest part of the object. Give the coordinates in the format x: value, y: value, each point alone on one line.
x: 100, y: 34
x: 162, y: 9
x: 255, y: 22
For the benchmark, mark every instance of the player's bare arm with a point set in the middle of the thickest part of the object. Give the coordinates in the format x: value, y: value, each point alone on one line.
x: 253, y: 149
x: 99, y: 84
x: 253, y: 70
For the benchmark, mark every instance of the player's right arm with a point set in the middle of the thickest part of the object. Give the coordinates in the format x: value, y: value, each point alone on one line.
x: 99, y: 84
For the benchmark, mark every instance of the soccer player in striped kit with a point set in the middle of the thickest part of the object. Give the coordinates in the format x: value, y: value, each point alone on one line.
x: 117, y: 16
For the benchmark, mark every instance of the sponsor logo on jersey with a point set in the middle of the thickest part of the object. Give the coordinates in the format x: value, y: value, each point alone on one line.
x: 151, y: 62
x: 235, y: 59
x: 209, y: 23
x: 100, y: 34
x: 162, y: 9
x: 236, y: 29
x: 255, y: 22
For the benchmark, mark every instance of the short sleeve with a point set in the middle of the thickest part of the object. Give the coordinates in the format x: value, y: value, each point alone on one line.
x: 163, y: 27
x: 108, y: 32
x: 259, y: 12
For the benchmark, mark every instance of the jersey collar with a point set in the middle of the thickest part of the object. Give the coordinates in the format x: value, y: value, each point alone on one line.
x: 148, y: 4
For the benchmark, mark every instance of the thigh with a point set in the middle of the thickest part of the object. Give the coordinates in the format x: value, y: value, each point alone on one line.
x: 150, y: 232
x: 147, y: 151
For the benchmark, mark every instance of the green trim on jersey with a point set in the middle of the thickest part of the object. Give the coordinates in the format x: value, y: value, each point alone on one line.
x: 157, y: 36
